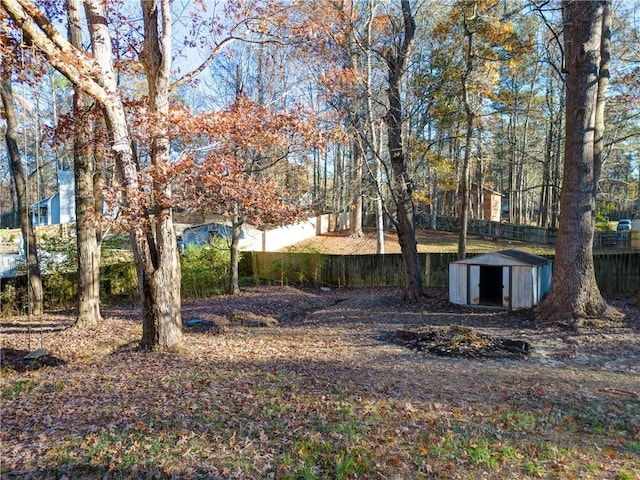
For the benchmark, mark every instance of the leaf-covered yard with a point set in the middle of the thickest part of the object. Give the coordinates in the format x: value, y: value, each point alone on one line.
x: 321, y: 390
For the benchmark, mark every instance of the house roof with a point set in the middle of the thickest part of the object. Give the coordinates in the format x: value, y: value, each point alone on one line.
x: 505, y: 257
x: 44, y: 201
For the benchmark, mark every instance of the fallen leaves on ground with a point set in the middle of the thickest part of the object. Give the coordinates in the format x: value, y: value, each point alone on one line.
x: 320, y: 391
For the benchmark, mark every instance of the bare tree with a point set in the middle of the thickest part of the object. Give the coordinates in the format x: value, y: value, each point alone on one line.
x: 397, y: 57
x: 470, y: 122
x: 28, y: 234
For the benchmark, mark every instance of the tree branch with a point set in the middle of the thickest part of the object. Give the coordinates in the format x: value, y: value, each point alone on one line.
x: 198, y: 70
x: 73, y: 64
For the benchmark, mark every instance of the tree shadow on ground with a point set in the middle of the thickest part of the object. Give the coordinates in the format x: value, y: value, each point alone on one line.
x: 21, y: 360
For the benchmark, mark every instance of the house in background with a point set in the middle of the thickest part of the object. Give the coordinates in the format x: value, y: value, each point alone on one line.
x: 491, y: 203
x: 59, y: 208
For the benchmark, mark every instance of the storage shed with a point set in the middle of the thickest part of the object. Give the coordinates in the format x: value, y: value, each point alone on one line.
x: 509, y: 279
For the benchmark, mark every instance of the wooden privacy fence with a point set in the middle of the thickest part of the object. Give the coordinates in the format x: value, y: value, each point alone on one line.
x: 615, y: 272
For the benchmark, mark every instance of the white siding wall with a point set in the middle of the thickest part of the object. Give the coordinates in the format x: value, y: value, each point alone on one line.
x: 67, y: 202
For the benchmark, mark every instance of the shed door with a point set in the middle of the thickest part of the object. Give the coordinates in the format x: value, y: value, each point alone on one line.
x: 522, y: 294
x: 506, y: 287
x: 491, y: 286
x: 473, y: 288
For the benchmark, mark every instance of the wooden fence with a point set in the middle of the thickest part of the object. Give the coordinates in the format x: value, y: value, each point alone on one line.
x: 524, y: 233
x: 615, y: 272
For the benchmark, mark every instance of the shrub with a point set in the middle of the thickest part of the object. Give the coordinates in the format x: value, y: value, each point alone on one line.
x: 13, y: 298
x: 205, y: 270
x: 60, y: 289
x: 602, y: 223
x: 57, y: 255
x: 119, y: 280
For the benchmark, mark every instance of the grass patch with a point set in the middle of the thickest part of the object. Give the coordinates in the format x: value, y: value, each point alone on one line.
x: 324, y: 459
x: 18, y: 387
x: 284, y: 433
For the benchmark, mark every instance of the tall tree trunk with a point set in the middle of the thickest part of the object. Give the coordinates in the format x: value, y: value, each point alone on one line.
x: 575, y: 295
x: 87, y: 229
x: 545, y: 191
x: 513, y: 170
x: 464, y: 174
x: 557, y: 165
x: 375, y: 136
x: 523, y: 148
x: 379, y: 214
x: 339, y: 179
x: 357, y: 148
x: 480, y: 179
x: 549, y: 196
x: 379, y: 202
x: 464, y: 189
x: 603, y: 85
x: 356, y: 184
x: 402, y: 189
x: 26, y: 226
x: 164, y: 276
x: 234, y: 277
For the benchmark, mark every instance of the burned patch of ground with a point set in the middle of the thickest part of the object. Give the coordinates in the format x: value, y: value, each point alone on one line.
x: 457, y: 341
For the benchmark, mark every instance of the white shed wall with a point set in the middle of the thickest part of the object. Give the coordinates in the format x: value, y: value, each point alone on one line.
x: 458, y: 283
x: 506, y: 281
x: 522, y: 282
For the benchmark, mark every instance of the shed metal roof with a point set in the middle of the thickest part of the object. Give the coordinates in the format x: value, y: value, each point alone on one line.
x: 505, y: 257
